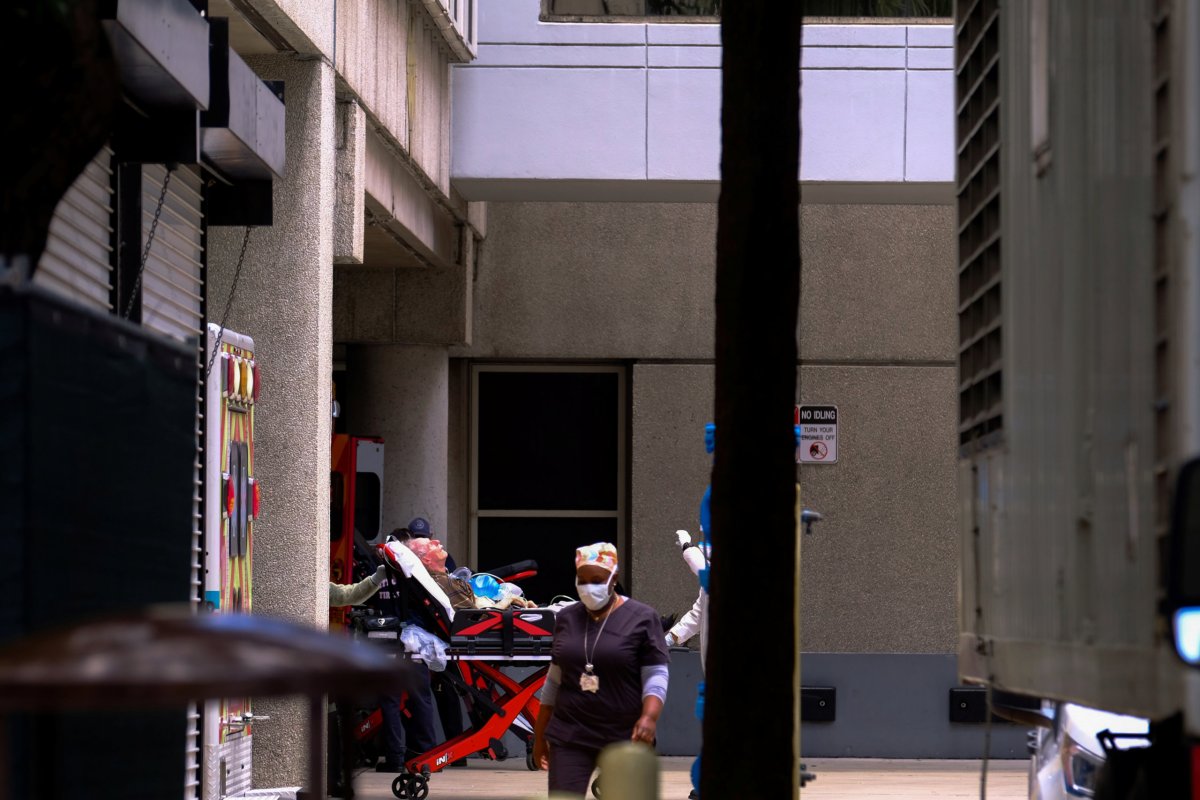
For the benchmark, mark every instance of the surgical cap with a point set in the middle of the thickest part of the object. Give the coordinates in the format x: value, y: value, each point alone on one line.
x: 600, y: 554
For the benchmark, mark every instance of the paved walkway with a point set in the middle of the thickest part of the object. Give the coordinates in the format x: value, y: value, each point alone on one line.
x: 838, y: 779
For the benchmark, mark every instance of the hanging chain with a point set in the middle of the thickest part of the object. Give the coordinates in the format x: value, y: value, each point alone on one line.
x: 137, y: 284
x: 237, y: 273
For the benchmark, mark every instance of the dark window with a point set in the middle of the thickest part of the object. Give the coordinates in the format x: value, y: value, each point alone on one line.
x: 879, y: 8
x: 548, y: 476
x: 551, y: 541
x: 337, y: 502
x: 366, y: 504
x: 548, y: 440
x: 712, y: 8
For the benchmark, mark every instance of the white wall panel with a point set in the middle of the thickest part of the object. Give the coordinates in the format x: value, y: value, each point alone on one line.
x: 930, y: 36
x: 545, y: 55
x: 628, y: 110
x: 547, y: 123
x: 670, y: 33
x: 929, y: 139
x: 859, y: 36
x: 853, y: 125
x: 931, y: 58
x: 669, y: 56
x: 684, y: 125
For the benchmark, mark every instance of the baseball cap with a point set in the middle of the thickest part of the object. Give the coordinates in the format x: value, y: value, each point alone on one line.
x: 420, y: 527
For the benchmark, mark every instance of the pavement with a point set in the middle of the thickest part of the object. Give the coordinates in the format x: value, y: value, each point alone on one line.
x: 837, y: 779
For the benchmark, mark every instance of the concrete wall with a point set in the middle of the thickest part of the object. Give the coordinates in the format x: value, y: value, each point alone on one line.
x: 879, y: 575
x: 305, y: 26
x: 634, y: 282
x: 400, y: 392
x: 393, y: 58
x: 549, y: 110
x: 886, y: 705
x: 599, y: 280
x: 349, y: 206
x: 284, y: 301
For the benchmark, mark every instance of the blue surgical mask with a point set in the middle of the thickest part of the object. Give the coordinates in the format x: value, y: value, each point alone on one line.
x: 594, y: 595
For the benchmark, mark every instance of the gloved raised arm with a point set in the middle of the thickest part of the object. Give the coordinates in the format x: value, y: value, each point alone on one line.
x: 693, y: 556
x: 356, y: 593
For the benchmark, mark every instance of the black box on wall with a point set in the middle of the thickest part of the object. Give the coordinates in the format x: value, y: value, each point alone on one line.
x: 97, y: 436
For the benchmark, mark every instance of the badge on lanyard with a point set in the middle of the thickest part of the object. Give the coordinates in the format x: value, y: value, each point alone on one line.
x: 589, y: 681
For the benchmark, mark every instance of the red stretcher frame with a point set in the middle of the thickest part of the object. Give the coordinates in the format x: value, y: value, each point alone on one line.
x: 515, y: 700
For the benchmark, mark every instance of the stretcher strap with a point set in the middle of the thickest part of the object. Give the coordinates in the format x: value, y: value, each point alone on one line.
x: 506, y: 631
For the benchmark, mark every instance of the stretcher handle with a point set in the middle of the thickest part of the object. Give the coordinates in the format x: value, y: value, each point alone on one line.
x: 517, y: 568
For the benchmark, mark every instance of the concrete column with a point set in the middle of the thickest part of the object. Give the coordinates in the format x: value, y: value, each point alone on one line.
x: 284, y: 301
x: 401, y: 392
x: 349, y: 209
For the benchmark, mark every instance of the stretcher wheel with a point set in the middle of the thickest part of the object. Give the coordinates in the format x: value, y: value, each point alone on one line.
x: 410, y: 787
x: 530, y: 764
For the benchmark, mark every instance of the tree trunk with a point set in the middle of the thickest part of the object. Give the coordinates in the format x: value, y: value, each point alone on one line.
x: 751, y: 713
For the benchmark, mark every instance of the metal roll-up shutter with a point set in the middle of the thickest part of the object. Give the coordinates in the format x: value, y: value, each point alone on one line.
x: 173, y: 305
x: 191, y: 780
x: 173, y: 294
x: 173, y: 285
x: 77, y: 261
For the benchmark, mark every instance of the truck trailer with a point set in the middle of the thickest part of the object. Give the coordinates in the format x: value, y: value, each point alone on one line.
x: 1078, y: 194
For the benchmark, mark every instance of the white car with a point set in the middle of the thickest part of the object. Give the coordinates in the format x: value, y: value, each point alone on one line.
x: 1067, y: 756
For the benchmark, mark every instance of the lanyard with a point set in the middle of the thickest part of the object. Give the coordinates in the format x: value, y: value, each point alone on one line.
x: 587, y: 659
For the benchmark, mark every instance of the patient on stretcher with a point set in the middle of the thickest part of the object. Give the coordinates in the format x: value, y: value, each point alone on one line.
x: 458, y: 591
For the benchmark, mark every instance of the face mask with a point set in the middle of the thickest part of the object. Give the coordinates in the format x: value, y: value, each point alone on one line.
x: 593, y: 595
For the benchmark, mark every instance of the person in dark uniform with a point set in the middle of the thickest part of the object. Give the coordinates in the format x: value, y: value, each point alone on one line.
x: 445, y: 696
x: 408, y: 729
x: 608, y: 675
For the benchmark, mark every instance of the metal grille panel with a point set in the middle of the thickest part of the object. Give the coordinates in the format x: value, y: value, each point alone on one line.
x: 978, y: 157
x: 1163, y: 265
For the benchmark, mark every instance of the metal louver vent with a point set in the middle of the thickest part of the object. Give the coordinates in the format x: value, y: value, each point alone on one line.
x: 77, y: 261
x: 1163, y: 264
x: 173, y: 287
x: 977, y: 117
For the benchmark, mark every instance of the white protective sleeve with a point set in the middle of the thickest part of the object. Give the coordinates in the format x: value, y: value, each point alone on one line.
x: 694, y: 558
x: 550, y: 687
x: 654, y: 681
x: 690, y: 623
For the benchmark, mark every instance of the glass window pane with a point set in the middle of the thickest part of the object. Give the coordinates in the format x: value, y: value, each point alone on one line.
x: 548, y: 440
x: 337, y: 499
x: 551, y: 542
x: 366, y: 504
x: 710, y: 8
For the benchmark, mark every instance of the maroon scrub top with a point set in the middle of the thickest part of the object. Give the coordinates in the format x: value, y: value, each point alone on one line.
x: 632, y: 638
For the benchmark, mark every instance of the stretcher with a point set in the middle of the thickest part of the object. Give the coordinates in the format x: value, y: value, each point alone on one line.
x: 479, y: 644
